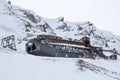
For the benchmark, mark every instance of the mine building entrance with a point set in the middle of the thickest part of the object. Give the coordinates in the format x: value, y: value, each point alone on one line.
x: 31, y: 47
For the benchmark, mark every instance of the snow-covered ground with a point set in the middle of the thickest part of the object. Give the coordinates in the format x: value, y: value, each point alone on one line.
x: 16, y: 66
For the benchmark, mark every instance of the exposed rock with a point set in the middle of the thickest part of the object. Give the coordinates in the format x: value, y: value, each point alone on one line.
x: 61, y: 19
x: 30, y: 16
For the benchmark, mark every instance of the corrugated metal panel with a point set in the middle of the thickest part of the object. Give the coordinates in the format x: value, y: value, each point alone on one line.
x: 41, y: 47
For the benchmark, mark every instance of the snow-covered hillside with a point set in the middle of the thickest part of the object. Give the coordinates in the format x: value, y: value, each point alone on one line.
x: 24, y: 23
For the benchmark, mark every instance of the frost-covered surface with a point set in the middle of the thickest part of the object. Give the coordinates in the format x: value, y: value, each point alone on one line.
x: 16, y: 66
x: 25, y: 24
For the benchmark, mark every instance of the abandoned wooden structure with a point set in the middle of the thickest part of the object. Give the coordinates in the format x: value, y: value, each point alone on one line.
x: 54, y: 46
x: 9, y: 42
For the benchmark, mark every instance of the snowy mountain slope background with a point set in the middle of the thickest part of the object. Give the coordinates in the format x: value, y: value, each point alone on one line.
x: 25, y: 24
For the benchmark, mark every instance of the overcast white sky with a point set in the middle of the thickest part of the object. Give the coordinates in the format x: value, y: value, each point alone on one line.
x: 105, y: 14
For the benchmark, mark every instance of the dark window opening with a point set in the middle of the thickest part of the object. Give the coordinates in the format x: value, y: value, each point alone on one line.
x: 28, y: 49
x: 31, y: 47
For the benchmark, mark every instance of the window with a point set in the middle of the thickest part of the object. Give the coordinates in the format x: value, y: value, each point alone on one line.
x: 31, y: 47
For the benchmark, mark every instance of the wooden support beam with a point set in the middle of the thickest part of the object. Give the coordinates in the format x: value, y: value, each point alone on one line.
x: 9, y: 42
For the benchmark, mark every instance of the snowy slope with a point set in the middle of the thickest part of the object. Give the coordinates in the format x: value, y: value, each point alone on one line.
x: 15, y: 66
x: 15, y: 20
x: 25, y: 24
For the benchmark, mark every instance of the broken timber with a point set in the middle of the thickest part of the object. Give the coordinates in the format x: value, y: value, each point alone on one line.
x: 9, y: 42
